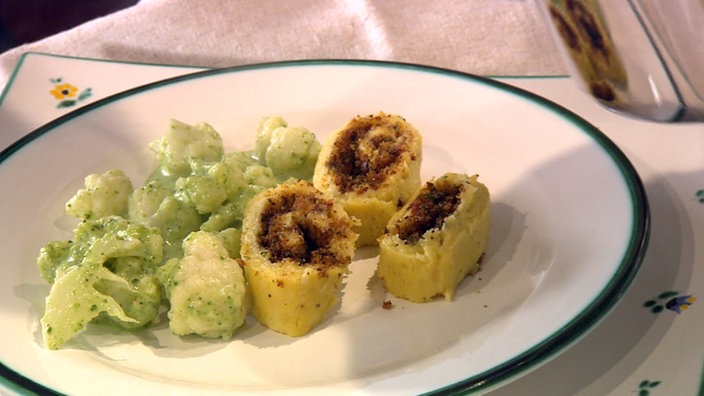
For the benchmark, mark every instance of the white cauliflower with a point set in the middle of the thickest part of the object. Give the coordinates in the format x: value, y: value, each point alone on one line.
x: 209, y: 186
x: 253, y: 179
x: 290, y: 152
x: 106, y: 272
x: 206, y: 289
x: 154, y: 205
x: 266, y: 127
x: 104, y: 195
x: 184, y: 144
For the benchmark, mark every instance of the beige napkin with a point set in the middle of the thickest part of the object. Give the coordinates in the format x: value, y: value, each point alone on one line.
x: 488, y: 37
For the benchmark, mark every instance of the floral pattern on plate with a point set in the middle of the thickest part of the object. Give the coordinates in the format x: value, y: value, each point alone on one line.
x: 672, y: 300
x: 68, y: 94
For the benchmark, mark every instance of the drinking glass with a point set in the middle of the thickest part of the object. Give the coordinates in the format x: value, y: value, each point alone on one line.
x: 642, y: 58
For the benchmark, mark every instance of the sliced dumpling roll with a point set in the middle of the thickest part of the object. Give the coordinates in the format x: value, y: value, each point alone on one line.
x: 297, y: 244
x: 372, y: 167
x: 436, y: 239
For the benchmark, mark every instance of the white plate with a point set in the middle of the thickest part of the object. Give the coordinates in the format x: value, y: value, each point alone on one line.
x: 569, y: 228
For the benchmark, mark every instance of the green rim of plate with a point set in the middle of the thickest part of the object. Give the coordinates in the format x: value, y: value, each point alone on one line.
x: 540, y: 353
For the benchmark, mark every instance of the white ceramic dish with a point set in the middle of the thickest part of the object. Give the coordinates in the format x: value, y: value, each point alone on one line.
x: 570, y: 225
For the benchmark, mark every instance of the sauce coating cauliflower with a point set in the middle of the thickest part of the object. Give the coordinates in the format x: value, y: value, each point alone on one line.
x: 206, y: 289
x: 106, y: 272
x: 104, y: 195
x: 288, y: 151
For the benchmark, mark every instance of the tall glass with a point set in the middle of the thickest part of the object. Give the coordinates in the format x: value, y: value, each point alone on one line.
x: 643, y: 58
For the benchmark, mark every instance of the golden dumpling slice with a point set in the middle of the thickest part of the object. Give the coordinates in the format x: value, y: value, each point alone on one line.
x: 436, y: 239
x: 297, y: 245
x: 372, y: 167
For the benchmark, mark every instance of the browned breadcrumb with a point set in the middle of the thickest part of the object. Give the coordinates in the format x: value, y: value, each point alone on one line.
x: 358, y: 169
x: 387, y: 304
x: 428, y: 210
x: 302, y: 227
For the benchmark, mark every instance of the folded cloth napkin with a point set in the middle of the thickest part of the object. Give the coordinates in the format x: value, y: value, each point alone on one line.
x: 488, y: 37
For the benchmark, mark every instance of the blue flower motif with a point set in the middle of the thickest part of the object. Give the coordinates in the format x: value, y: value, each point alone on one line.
x: 680, y: 303
x: 672, y: 300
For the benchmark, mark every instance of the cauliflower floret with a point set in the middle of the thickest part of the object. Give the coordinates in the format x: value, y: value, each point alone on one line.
x: 229, y: 176
x: 255, y: 178
x: 209, y: 186
x: 228, y: 215
x: 290, y: 152
x: 108, y: 270
x: 206, y: 289
x: 104, y: 195
x: 231, y: 239
x: 146, y: 200
x: 154, y: 205
x: 183, y: 145
x: 266, y: 127
x: 258, y: 178
x: 136, y: 289
x: 202, y: 192
x: 241, y: 159
x: 52, y: 256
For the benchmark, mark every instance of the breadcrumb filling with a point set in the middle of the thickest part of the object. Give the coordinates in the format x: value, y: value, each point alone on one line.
x: 428, y: 210
x: 366, y: 151
x: 303, y: 228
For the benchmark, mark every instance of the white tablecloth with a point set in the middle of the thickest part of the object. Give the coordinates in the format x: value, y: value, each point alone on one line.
x: 488, y: 37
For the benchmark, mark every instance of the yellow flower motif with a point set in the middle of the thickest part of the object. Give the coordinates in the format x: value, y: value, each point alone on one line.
x: 63, y: 91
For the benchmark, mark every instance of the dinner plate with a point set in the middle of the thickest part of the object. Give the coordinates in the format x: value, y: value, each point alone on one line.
x: 569, y: 229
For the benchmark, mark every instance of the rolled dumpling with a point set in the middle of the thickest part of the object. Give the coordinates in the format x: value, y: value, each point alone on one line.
x: 297, y: 244
x: 436, y: 239
x: 372, y: 167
